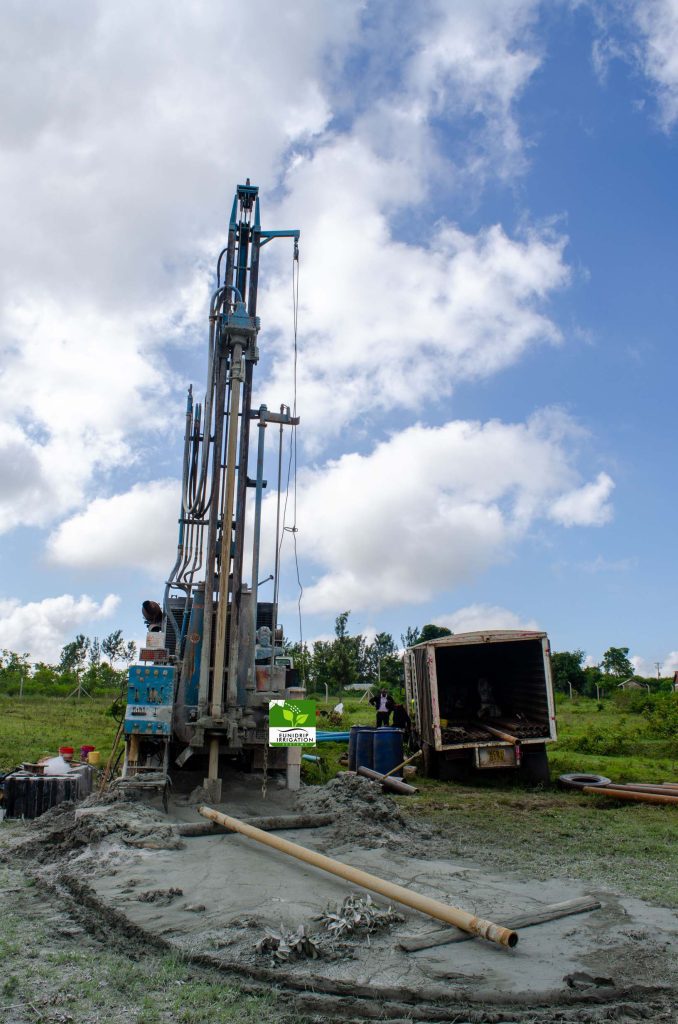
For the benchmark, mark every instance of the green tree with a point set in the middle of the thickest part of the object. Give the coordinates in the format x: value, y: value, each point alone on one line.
x: 113, y: 647
x: 616, y: 662
x: 302, y: 659
x: 74, y: 654
x: 410, y: 637
x: 567, y: 668
x: 15, y: 671
x: 321, y: 657
x: 389, y: 667
x: 594, y: 681
x: 343, y: 660
x: 433, y: 632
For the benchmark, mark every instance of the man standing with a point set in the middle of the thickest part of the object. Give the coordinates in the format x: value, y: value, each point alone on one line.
x: 384, y: 704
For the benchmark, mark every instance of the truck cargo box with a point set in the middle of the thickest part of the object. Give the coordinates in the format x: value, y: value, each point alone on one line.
x: 483, y: 700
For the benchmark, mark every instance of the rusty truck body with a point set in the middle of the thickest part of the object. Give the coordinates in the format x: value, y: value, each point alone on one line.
x: 482, y: 700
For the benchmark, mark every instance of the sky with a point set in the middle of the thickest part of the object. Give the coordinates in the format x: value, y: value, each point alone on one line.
x: 486, y: 194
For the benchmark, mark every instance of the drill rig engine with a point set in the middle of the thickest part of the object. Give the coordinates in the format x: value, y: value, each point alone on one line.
x: 210, y: 665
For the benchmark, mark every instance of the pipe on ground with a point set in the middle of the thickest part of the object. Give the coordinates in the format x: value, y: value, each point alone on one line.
x: 441, y: 911
x: 631, y: 794
x: 395, y: 785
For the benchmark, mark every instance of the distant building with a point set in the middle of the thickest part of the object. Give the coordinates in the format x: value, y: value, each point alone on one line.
x: 630, y: 684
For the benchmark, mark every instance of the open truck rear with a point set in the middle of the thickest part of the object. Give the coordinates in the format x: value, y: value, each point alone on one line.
x: 481, y: 701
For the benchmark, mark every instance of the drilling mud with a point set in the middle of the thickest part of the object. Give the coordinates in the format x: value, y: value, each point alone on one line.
x: 252, y: 912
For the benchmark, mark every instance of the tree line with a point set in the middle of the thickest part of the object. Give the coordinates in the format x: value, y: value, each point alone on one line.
x: 350, y: 658
x: 95, y: 665
x: 570, y: 675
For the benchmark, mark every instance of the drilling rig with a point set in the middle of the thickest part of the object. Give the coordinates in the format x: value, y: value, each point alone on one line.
x: 213, y: 655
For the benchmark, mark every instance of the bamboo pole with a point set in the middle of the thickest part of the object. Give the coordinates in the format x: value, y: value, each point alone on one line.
x: 402, y: 764
x: 441, y: 911
x: 630, y: 794
x: 106, y: 777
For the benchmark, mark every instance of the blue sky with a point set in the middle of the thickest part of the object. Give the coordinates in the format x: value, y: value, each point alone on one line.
x: 486, y: 195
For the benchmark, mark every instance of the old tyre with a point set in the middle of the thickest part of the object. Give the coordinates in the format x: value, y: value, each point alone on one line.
x: 575, y: 780
x: 534, y: 767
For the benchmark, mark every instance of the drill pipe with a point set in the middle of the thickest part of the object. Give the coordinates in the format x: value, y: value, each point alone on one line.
x: 451, y: 915
x: 631, y: 794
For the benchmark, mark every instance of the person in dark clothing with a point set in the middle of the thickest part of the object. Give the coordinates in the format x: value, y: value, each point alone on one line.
x: 401, y: 720
x: 384, y: 704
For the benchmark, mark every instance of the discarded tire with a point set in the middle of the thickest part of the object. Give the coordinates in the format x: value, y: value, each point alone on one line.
x: 575, y: 781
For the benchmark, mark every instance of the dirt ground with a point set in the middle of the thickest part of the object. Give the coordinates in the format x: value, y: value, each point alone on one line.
x: 210, y: 901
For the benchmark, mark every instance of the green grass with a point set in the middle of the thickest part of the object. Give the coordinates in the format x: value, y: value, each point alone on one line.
x: 628, y: 847
x: 32, y: 727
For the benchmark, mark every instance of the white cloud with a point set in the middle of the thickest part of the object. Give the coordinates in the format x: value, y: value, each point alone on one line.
x: 388, y: 324
x: 430, y: 508
x: 120, y: 166
x: 136, y: 529
x: 124, y: 130
x: 657, y: 21
x: 41, y: 628
x: 484, y: 616
x: 476, y: 59
x: 648, y: 669
x: 586, y: 505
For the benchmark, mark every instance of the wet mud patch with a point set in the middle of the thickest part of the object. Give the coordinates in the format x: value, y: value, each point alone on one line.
x: 227, y: 893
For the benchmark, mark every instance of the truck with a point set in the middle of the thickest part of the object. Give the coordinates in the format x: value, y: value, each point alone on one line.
x: 482, y: 701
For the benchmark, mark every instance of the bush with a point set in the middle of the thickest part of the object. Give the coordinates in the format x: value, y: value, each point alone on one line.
x: 662, y: 715
x: 604, y: 742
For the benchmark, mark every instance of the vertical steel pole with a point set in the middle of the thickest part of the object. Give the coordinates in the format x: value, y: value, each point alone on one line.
x: 243, y: 457
x: 227, y: 536
x: 257, y: 537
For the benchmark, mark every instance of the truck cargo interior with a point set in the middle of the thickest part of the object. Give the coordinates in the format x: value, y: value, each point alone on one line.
x: 517, y: 684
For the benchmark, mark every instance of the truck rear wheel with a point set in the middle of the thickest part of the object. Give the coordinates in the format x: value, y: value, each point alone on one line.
x: 534, y: 766
x: 430, y: 761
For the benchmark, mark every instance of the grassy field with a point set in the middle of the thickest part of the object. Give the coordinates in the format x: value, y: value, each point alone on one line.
x: 592, y: 736
x: 36, y: 726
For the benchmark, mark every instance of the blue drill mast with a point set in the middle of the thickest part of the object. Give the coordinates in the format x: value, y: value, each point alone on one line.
x: 209, y: 667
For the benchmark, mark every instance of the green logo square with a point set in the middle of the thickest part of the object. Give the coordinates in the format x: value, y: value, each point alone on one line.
x: 291, y: 723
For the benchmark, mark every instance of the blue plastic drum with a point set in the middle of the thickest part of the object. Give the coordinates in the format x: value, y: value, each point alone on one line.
x: 388, y: 749
x: 352, y: 740
x: 364, y: 748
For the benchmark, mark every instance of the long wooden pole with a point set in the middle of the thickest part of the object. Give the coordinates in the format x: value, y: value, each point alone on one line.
x: 631, y: 794
x: 637, y: 787
x: 550, y: 912
x: 403, y: 763
x: 441, y: 911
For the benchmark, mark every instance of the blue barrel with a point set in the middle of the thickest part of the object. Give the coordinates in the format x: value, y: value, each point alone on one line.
x: 388, y: 749
x: 364, y: 747
x: 352, y: 740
